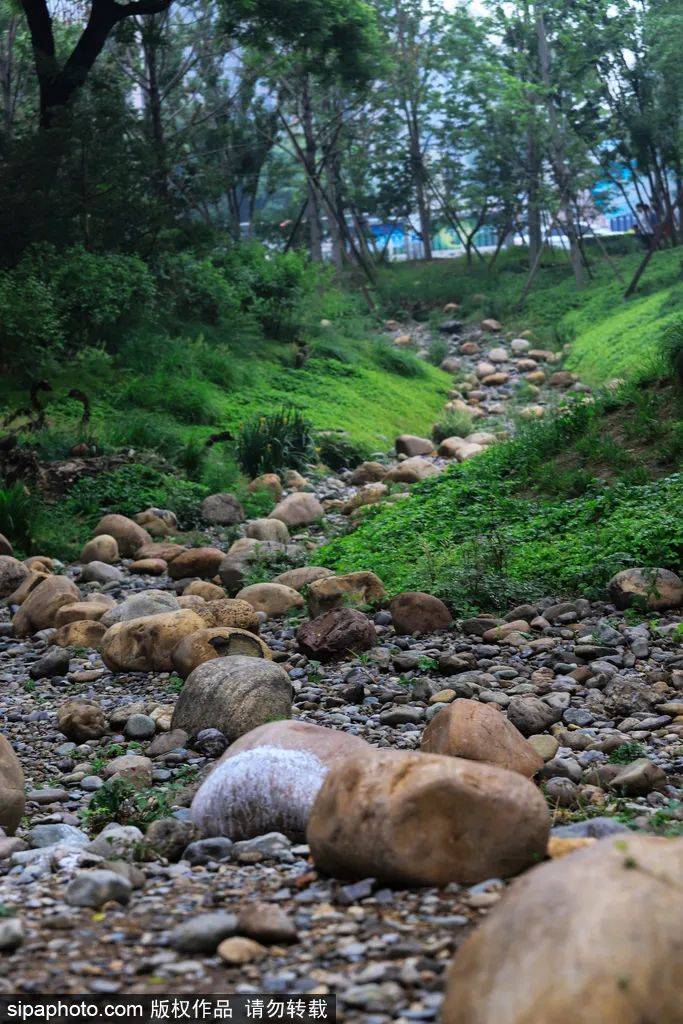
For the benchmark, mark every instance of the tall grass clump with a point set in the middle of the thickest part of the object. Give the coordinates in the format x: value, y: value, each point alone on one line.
x: 17, y: 515
x: 281, y: 440
x: 452, y: 424
x: 397, y: 360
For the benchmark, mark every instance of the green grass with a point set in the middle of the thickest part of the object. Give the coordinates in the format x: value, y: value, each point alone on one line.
x: 495, y: 531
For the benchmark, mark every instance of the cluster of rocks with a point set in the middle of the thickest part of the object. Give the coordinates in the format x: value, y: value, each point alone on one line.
x: 303, y: 786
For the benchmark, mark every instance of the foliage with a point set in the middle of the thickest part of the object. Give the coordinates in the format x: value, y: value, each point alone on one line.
x: 627, y: 753
x: 452, y: 424
x: 123, y: 802
x: 132, y: 488
x: 338, y: 451
x: 278, y: 440
x: 398, y: 360
x: 17, y: 516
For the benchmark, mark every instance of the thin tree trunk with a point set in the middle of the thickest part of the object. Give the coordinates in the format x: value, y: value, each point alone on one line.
x: 312, y: 209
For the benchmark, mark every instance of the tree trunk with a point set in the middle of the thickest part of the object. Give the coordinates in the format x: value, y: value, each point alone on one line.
x: 150, y: 52
x: 313, y: 208
x: 419, y: 177
x: 533, y: 197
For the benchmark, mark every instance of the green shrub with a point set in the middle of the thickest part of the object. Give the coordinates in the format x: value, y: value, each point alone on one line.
x: 397, y: 360
x: 144, y: 431
x: 132, y: 488
x: 272, y: 286
x: 18, y: 516
x: 672, y: 349
x: 438, y: 350
x: 452, y: 424
x: 193, y: 289
x: 186, y: 398
x: 281, y: 440
x: 258, y: 504
x: 338, y: 451
x: 31, y: 327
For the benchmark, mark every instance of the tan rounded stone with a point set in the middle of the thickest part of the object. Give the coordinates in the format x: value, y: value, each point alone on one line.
x: 202, y: 562
x: 128, y: 535
x: 197, y: 648
x: 269, y: 482
x: 299, y: 509
x: 349, y: 588
x: 81, y: 720
x: 145, y: 645
x: 426, y: 819
x: 12, y: 799
x: 302, y: 577
x: 80, y: 610
x: 148, y: 566
x: 103, y: 548
x: 230, y: 611
x: 610, y: 915
x: 273, y: 599
x: 202, y: 588
x: 40, y: 607
x: 416, y: 612
x: 12, y: 574
x: 82, y: 633
x: 480, y: 732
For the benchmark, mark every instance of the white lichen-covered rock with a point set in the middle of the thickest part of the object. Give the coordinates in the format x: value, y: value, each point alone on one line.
x: 268, y: 779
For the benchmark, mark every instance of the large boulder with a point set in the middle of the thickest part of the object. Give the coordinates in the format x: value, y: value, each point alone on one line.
x: 219, y: 642
x: 41, y: 606
x: 411, y: 471
x: 268, y: 779
x: 145, y: 645
x: 81, y: 720
x: 297, y: 579
x: 350, y: 588
x: 229, y: 611
x: 128, y: 535
x: 335, y: 634
x: 273, y: 599
x: 100, y: 549
x: 650, y: 588
x: 416, y: 612
x: 480, y: 732
x: 82, y: 633
x: 298, y: 509
x: 202, y: 562
x: 233, y: 695
x: 28, y: 584
x: 160, y: 522
x: 222, y: 510
x: 81, y: 610
x: 268, y: 529
x: 12, y: 574
x: 608, y: 917
x: 137, y: 606
x: 100, y: 572
x: 368, y: 473
x: 426, y: 820
x: 161, y: 549
x: 12, y: 799
x: 204, y: 589
x: 410, y: 445
x: 268, y: 482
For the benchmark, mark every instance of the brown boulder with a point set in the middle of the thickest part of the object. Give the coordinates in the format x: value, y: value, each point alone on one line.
x: 145, y: 645
x: 609, y: 916
x: 202, y: 588
x: 426, y: 820
x: 368, y: 473
x: 40, y: 607
x: 647, y: 588
x: 28, y: 584
x: 335, y: 634
x: 297, y: 579
x: 412, y: 471
x: 298, y: 509
x: 12, y: 799
x: 267, y: 780
x: 100, y: 549
x: 480, y: 732
x: 148, y: 566
x: 268, y: 530
x: 273, y: 599
x: 415, y: 612
x: 230, y: 611
x: 128, y: 535
x: 201, y: 562
x: 197, y: 648
x: 81, y: 610
x: 81, y: 720
x: 269, y: 482
x: 222, y: 509
x: 82, y: 633
x: 160, y: 549
x: 12, y: 574
x: 410, y: 444
x: 352, y: 587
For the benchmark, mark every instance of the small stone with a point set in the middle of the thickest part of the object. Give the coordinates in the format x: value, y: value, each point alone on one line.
x: 140, y: 727
x: 93, y: 888
x: 268, y: 924
x: 49, y: 835
x: 202, y: 934
x: 55, y: 662
x: 11, y: 935
x: 237, y: 951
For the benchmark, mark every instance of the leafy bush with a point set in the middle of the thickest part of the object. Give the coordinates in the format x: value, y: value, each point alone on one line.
x: 187, y: 399
x: 132, y: 488
x: 452, y: 424
x: 271, y: 286
x: 281, y: 440
x: 672, y: 349
x: 438, y: 350
x: 338, y: 451
x: 120, y: 801
x: 145, y: 431
x: 31, y: 328
x: 18, y: 516
x: 397, y: 360
x: 193, y: 289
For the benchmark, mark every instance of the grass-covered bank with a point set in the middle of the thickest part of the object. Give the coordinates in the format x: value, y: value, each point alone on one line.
x: 610, y: 337
x: 557, y: 510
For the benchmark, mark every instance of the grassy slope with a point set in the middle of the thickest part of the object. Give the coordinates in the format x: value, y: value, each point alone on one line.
x: 570, y: 501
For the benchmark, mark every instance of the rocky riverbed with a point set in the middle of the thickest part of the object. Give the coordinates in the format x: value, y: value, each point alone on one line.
x: 126, y: 677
